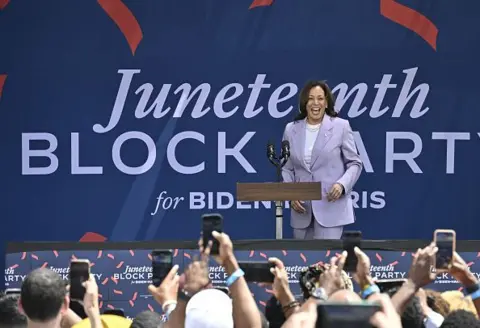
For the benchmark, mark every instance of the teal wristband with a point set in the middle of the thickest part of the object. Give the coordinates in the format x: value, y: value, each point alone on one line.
x: 234, y: 277
x: 369, y: 291
x: 475, y: 295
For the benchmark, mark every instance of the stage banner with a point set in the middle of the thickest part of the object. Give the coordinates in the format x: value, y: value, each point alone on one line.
x: 132, y: 126
x: 123, y: 276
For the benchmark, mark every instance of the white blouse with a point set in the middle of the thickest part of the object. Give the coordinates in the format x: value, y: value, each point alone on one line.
x: 310, y: 138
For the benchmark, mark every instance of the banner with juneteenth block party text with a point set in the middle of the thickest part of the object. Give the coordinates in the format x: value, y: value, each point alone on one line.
x: 123, y: 275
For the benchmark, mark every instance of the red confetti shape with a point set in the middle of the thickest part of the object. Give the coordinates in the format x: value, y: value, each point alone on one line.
x: 284, y: 252
x: 187, y: 255
x: 3, y: 78
x: 24, y: 255
x: 393, y: 263
x: 378, y: 257
x: 328, y: 253
x: 131, y: 252
x: 251, y: 254
x: 470, y: 263
x: 410, y: 19
x: 260, y: 3
x: 14, y: 266
x: 125, y: 20
x: 55, y: 253
x: 119, y: 265
x: 264, y: 255
x: 150, y: 308
x: 99, y: 254
x: 403, y: 253
x: 90, y: 237
x: 175, y: 252
x: 303, y: 258
x: 4, y: 3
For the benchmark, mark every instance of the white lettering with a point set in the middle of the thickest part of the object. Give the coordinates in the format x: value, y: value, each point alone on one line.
x: 172, y: 146
x: 117, y: 160
x: 450, y: 137
x: 75, y: 158
x: 409, y: 158
x: 28, y: 153
x: 223, y: 152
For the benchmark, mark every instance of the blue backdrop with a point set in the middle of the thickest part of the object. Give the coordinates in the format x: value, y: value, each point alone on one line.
x: 131, y: 119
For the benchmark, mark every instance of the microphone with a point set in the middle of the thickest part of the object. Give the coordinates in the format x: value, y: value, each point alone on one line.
x: 285, y: 149
x: 270, y: 151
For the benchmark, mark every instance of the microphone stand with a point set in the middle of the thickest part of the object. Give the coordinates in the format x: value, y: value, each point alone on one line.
x: 279, y: 163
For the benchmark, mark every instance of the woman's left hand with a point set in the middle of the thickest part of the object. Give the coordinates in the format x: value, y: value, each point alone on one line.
x: 335, y: 193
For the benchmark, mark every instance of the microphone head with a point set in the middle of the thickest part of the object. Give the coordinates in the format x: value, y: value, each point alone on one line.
x: 285, y: 144
x: 270, y: 149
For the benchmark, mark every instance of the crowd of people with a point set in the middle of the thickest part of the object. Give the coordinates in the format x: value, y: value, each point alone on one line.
x: 328, y: 300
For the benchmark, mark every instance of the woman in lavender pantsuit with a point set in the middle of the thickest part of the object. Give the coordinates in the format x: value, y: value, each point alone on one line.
x: 322, y: 149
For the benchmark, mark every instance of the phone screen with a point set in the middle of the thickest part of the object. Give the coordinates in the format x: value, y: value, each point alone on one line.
x: 345, y: 315
x: 13, y: 291
x: 162, y: 263
x: 79, y: 273
x: 257, y: 271
x: 351, y: 239
x: 387, y: 285
x: 211, y: 222
x: 117, y: 312
x: 445, y: 243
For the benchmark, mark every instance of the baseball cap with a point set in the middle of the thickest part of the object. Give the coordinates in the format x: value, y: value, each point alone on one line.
x: 210, y: 308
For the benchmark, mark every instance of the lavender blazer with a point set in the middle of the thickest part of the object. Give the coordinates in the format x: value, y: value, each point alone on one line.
x: 334, y: 159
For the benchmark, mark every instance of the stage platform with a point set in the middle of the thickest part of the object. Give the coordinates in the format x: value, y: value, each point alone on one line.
x: 123, y: 269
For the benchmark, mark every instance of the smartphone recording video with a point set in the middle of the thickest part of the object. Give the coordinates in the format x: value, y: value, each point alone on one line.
x: 351, y: 239
x: 13, y: 291
x: 79, y: 273
x: 257, y: 271
x: 210, y: 223
x: 389, y: 284
x: 162, y: 263
x: 339, y: 315
x: 445, y: 241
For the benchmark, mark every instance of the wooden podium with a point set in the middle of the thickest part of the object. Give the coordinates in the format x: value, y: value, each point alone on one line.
x: 279, y: 192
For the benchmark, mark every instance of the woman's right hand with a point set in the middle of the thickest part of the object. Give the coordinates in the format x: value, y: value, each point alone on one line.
x: 297, y: 206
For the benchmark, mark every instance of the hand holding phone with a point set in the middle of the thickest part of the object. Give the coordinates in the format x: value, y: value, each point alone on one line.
x: 79, y: 273
x: 211, y: 223
x: 257, y: 271
x: 162, y: 263
x: 445, y: 240
x: 351, y: 239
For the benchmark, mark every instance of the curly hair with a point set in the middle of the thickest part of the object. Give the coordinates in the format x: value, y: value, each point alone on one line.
x: 310, y: 276
x: 437, y: 303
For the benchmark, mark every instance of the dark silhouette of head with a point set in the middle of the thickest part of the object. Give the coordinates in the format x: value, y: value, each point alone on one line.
x: 43, y: 297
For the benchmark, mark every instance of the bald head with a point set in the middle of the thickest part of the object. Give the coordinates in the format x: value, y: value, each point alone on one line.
x: 344, y: 296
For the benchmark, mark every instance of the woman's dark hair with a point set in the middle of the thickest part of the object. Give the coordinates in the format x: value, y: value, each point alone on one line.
x: 305, y: 93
